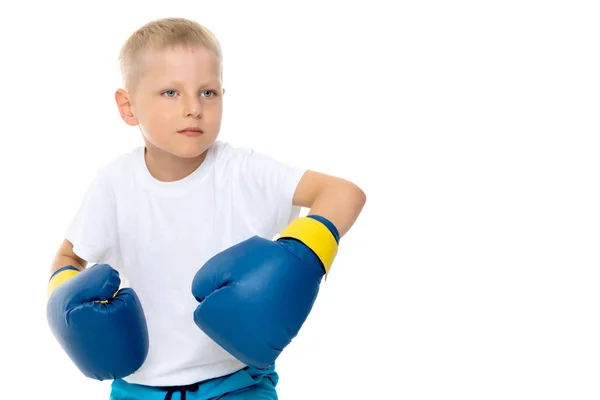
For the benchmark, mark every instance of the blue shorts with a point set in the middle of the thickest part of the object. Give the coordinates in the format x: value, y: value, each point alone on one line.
x: 248, y: 384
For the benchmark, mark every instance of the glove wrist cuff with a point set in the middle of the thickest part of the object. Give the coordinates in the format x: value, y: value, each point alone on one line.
x: 316, y: 236
x: 60, y: 276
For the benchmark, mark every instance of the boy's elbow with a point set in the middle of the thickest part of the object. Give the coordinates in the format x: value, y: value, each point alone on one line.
x: 358, y: 195
x: 364, y: 196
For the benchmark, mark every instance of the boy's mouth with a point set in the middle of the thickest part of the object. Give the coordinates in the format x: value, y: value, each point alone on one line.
x: 191, y: 131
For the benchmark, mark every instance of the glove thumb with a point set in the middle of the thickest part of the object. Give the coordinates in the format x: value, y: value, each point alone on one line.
x: 97, y: 283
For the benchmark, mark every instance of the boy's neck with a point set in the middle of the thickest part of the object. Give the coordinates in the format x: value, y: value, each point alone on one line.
x: 169, y: 168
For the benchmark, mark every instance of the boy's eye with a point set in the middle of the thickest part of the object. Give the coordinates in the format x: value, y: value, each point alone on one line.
x: 205, y: 93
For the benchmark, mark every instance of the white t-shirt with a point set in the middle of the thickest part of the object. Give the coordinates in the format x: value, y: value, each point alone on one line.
x: 158, y: 234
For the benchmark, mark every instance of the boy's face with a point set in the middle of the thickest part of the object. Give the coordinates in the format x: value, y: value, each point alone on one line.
x: 176, y: 89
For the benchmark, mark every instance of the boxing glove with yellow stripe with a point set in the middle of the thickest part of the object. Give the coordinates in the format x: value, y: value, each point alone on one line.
x: 255, y: 296
x: 101, y: 328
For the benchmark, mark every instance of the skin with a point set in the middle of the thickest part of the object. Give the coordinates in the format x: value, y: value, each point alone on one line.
x: 181, y: 87
x: 175, y: 88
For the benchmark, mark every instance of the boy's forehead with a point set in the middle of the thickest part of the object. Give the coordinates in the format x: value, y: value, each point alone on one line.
x: 180, y: 63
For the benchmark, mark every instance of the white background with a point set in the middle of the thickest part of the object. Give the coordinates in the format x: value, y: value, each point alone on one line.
x: 473, y: 127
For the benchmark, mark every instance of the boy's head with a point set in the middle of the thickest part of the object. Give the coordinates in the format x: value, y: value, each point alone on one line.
x: 172, y: 77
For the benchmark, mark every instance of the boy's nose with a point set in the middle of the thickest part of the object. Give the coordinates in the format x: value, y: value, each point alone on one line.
x: 193, y: 109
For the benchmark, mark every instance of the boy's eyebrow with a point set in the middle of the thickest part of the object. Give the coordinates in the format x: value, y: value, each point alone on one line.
x: 180, y: 83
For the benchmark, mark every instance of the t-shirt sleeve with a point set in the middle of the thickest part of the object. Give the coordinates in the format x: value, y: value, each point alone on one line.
x: 92, y: 229
x: 268, y: 186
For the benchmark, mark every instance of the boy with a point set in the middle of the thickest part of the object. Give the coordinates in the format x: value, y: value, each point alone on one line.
x: 189, y: 221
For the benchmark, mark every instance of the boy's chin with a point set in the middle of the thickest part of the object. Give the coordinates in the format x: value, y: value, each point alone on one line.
x: 192, y: 150
x: 184, y: 147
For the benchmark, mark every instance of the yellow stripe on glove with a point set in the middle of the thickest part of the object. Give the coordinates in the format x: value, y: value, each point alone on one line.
x: 64, y: 276
x: 314, y: 235
x: 60, y: 278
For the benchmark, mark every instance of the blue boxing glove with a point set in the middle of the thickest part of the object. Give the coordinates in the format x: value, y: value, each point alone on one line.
x: 101, y: 328
x: 255, y: 296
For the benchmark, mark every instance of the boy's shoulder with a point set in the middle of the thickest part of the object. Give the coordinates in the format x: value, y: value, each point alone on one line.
x: 228, y: 155
x: 227, y: 151
x: 120, y: 165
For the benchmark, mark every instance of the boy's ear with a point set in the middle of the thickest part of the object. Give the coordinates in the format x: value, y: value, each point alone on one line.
x: 124, y: 105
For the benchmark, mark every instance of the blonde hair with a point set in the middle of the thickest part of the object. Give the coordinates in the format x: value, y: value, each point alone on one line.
x: 162, y: 34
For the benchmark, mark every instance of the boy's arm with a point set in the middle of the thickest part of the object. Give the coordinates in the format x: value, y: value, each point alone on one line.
x: 337, y: 199
x: 303, y: 254
x: 91, y: 333
x: 65, y: 256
